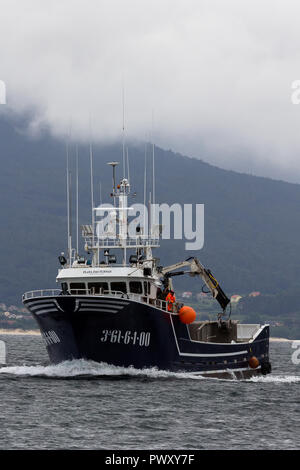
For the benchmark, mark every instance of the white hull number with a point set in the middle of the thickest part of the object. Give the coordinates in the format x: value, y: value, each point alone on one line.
x: 141, y: 338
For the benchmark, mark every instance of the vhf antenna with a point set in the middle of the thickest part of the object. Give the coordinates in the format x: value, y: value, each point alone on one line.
x: 69, y: 204
x: 77, y: 203
x: 123, y: 129
x: 153, y: 172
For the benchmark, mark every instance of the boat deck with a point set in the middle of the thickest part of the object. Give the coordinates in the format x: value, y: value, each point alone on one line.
x: 228, y: 332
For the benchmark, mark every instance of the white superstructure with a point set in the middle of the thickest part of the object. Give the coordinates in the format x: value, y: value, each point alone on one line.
x: 118, y: 261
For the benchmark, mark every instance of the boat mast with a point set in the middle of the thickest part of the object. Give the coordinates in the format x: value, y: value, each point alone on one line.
x: 123, y: 191
x: 115, y: 233
x: 123, y: 210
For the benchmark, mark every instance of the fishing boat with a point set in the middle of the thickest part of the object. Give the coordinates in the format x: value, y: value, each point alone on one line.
x: 113, y: 306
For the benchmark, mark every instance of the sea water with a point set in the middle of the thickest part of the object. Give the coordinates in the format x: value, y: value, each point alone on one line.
x: 85, y: 405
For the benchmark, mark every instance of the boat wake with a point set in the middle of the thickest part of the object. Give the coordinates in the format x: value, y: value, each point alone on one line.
x: 89, y: 369
x: 276, y: 379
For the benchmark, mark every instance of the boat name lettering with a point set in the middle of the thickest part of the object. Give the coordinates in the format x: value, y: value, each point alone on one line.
x: 141, y: 338
x: 96, y: 271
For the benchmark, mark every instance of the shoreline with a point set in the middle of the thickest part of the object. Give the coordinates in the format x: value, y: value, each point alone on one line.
x: 282, y: 340
x: 18, y: 331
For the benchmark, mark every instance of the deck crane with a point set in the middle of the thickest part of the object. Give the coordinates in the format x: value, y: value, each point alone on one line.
x: 196, y: 269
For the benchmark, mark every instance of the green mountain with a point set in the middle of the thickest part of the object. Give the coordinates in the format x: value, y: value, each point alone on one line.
x: 252, y: 224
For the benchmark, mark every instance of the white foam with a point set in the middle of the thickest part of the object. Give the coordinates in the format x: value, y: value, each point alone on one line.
x: 82, y: 368
x: 276, y: 379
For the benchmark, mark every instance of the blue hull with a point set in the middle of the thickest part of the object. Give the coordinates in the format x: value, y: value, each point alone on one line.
x: 126, y: 333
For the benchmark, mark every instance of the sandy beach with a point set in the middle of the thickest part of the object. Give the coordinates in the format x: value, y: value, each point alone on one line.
x: 282, y: 340
x: 19, y: 332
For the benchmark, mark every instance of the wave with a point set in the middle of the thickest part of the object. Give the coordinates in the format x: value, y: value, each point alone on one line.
x: 81, y: 368
x: 276, y: 379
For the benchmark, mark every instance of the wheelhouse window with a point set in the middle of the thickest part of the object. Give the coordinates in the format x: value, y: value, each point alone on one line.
x: 136, y: 287
x: 78, y: 287
x: 98, y: 287
x: 147, y: 287
x: 119, y: 286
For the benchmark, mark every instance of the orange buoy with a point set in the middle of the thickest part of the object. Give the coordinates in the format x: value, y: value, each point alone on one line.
x: 253, y: 362
x: 187, y: 314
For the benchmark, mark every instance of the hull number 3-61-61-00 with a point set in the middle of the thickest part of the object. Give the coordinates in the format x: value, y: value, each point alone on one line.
x: 138, y: 338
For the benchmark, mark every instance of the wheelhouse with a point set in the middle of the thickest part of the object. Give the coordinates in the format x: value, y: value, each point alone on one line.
x: 126, y: 286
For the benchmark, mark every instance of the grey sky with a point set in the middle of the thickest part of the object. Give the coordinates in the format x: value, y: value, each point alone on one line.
x: 216, y: 75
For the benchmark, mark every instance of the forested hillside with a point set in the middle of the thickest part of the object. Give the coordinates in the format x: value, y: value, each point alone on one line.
x: 252, y: 224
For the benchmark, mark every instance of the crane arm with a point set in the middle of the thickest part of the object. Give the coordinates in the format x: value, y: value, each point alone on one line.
x: 197, y: 269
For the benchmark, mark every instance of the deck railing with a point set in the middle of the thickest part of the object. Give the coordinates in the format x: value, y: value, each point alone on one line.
x: 41, y: 293
x: 161, y: 304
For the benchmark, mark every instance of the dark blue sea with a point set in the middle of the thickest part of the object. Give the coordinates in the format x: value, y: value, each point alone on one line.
x: 84, y: 405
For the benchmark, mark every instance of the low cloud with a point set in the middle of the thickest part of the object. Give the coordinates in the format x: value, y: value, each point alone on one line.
x: 215, y: 76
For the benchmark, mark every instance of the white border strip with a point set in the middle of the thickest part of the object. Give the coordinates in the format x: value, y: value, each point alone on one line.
x: 39, y: 312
